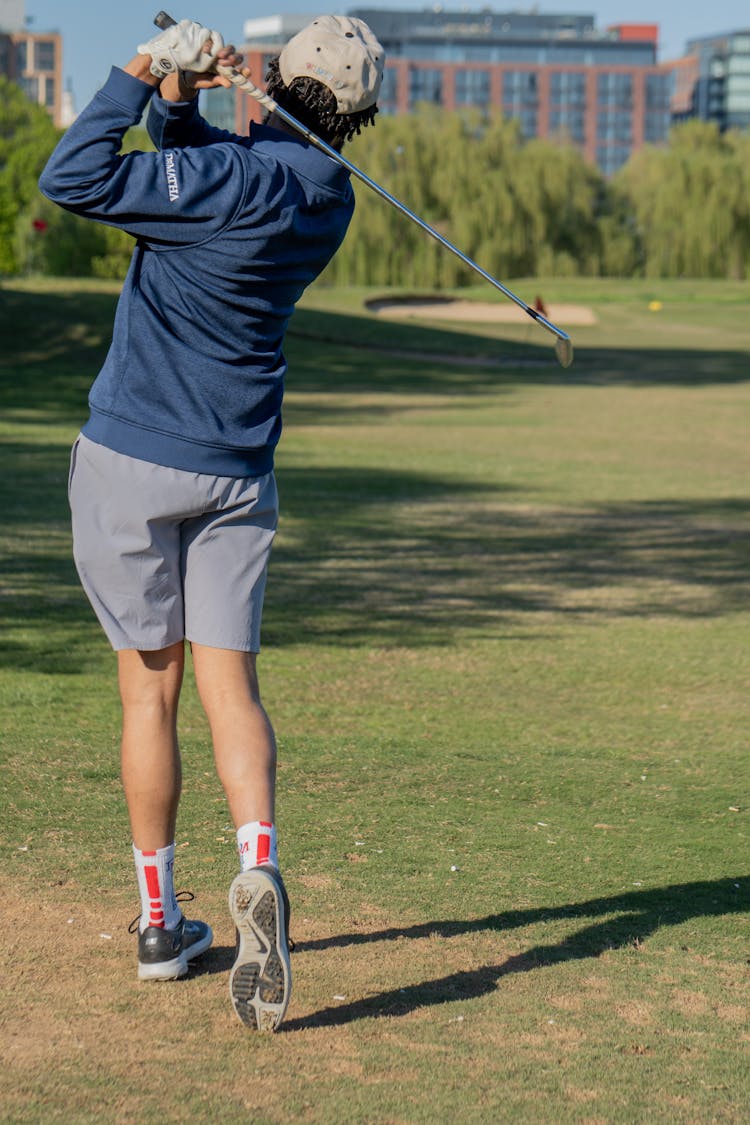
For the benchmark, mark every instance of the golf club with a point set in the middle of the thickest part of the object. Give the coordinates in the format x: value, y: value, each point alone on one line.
x: 563, y: 344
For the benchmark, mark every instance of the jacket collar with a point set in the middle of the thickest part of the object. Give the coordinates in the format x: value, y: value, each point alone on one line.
x: 300, y: 155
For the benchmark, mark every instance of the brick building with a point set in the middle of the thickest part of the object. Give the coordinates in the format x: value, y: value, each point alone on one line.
x: 33, y: 60
x: 558, y: 75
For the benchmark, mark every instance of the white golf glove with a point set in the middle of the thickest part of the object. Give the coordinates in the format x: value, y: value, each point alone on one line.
x: 181, y: 47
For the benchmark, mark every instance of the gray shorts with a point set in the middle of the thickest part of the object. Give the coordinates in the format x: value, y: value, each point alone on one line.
x: 165, y: 554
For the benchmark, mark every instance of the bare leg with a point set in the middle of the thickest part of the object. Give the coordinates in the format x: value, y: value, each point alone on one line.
x: 245, y: 749
x: 150, y: 685
x: 243, y: 739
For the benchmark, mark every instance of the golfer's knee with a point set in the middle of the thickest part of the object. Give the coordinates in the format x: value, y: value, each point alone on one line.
x: 150, y: 682
x: 226, y: 680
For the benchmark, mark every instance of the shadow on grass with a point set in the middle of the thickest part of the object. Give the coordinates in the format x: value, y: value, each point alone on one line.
x: 45, y: 620
x: 383, y: 557
x: 631, y: 919
x: 53, y: 344
x: 360, y: 354
x: 372, y: 555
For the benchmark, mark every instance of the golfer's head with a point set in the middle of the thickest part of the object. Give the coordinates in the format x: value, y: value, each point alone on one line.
x: 329, y: 76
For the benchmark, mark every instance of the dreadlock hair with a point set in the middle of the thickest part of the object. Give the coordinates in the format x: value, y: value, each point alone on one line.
x: 314, y: 105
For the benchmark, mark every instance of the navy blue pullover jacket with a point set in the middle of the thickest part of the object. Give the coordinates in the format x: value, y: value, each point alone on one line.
x: 230, y: 230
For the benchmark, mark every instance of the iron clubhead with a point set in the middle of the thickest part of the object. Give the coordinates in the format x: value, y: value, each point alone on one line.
x: 564, y: 351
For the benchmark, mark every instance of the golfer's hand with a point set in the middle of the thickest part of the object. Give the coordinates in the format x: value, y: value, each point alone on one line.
x: 185, y: 84
x: 186, y: 45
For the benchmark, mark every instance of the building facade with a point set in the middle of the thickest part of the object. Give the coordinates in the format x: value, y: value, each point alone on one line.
x: 32, y: 60
x: 720, y: 90
x: 558, y: 75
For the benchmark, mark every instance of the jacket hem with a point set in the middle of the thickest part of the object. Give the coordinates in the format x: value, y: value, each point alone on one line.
x: 175, y: 452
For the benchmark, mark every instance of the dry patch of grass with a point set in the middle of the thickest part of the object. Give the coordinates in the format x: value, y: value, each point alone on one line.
x: 374, y: 1021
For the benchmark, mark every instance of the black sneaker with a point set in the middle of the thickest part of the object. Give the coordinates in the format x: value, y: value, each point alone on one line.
x: 260, y: 982
x: 164, y: 954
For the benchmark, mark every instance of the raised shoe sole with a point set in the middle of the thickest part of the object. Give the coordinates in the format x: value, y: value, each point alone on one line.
x: 260, y: 982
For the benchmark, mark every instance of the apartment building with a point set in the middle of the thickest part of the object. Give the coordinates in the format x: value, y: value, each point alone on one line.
x: 558, y: 75
x: 720, y: 90
x: 33, y: 60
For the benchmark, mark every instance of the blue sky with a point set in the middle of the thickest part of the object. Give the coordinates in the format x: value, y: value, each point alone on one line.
x: 95, y: 35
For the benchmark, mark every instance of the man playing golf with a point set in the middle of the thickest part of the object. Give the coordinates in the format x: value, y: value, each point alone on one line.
x: 172, y: 490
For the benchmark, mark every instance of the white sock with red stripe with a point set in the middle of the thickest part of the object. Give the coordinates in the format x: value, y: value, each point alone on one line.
x: 256, y: 843
x: 159, y: 906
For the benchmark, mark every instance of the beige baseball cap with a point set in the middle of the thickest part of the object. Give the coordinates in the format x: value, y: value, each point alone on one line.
x: 343, y: 54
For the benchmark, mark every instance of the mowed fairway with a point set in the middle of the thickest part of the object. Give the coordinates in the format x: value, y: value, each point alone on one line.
x: 506, y: 655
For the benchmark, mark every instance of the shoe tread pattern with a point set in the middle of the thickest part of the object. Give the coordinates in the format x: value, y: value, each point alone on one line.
x: 260, y: 980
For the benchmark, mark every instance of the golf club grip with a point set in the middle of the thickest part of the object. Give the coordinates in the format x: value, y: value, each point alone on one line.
x: 163, y: 20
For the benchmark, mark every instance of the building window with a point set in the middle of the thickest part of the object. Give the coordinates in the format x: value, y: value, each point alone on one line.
x: 513, y: 53
x: 472, y: 87
x: 49, y: 93
x: 657, y: 91
x: 738, y: 64
x: 476, y: 52
x: 656, y: 127
x: 557, y: 55
x: 614, y: 89
x: 568, y: 87
x: 569, y: 121
x: 30, y: 87
x: 528, y: 123
x: 431, y: 52
x: 388, y: 91
x: 425, y: 86
x: 21, y: 56
x: 739, y: 84
x: 44, y: 54
x: 526, y: 118
x: 614, y: 126
x: 519, y: 88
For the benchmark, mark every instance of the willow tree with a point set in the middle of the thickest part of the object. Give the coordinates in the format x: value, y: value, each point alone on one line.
x: 691, y: 204
x: 515, y: 208
x: 558, y: 199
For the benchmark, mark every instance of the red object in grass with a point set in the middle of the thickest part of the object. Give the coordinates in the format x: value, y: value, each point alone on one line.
x: 40, y: 224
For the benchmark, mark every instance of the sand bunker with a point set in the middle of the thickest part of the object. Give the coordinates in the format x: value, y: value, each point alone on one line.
x: 448, y: 308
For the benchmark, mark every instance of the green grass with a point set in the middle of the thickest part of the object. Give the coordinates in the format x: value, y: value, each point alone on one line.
x: 505, y: 652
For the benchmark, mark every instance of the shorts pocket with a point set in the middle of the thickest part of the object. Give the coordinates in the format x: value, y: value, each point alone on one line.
x: 73, y: 458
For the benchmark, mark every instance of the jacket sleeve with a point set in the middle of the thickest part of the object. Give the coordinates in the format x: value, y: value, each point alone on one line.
x: 180, y: 124
x: 169, y: 198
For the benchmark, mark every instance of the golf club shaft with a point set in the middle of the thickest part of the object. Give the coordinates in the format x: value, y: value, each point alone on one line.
x: 163, y: 20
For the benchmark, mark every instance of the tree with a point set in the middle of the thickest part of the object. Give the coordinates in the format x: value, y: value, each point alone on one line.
x: 515, y: 208
x: 50, y: 240
x: 27, y: 137
x: 691, y: 203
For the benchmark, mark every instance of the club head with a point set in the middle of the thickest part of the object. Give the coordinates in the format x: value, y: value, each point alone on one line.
x: 564, y: 351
